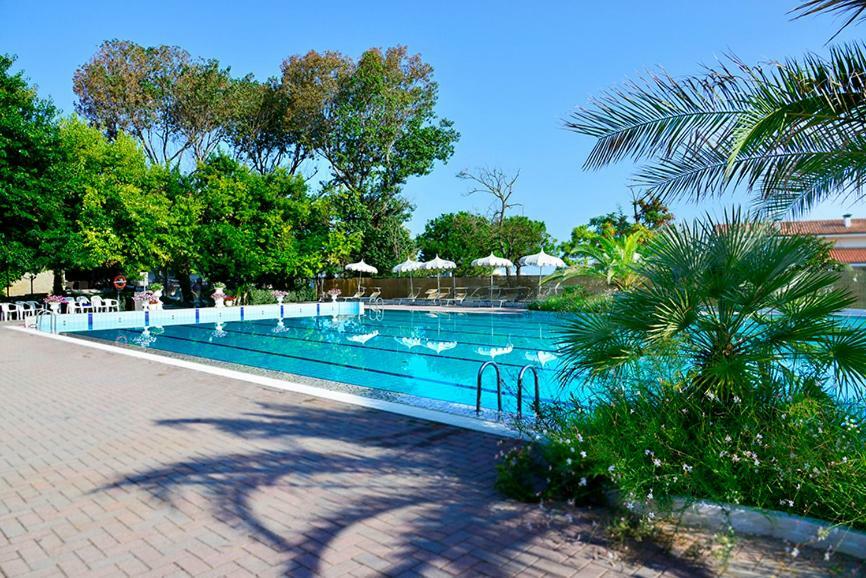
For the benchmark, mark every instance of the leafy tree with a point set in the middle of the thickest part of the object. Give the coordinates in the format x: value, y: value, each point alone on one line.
x: 158, y: 95
x: 377, y: 129
x: 116, y: 208
x: 612, y: 258
x: 612, y: 224
x: 256, y: 125
x: 729, y: 306
x: 29, y: 209
x: 651, y: 213
x: 518, y: 236
x: 460, y: 237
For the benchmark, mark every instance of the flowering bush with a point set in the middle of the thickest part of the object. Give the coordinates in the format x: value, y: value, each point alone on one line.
x: 335, y: 292
x: 55, y: 299
x: 143, y: 297
x: 805, y: 454
x: 278, y: 293
x: 712, y: 379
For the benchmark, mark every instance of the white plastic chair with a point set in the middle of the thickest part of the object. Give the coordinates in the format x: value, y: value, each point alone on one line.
x: 8, y: 310
x: 97, y: 304
x: 25, y: 309
x: 111, y: 304
x: 83, y: 303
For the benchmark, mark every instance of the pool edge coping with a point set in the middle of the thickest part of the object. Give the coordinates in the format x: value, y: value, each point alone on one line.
x: 482, y: 426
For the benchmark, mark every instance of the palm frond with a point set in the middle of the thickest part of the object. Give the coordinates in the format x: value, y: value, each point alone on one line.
x: 856, y: 9
x: 792, y: 132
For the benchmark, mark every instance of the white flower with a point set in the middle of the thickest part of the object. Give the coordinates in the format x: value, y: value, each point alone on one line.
x: 687, y: 468
x: 651, y: 516
x: 647, y: 452
x: 795, y: 552
x: 736, y: 399
x: 728, y: 438
x: 611, y: 468
x: 657, y: 462
x: 583, y: 454
x: 649, y: 496
x: 582, y: 481
x: 568, y: 461
x: 580, y: 438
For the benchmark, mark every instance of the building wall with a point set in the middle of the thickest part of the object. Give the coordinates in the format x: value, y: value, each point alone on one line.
x: 41, y: 284
x: 849, y: 241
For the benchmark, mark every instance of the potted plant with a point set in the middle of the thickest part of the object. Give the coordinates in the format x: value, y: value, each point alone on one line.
x: 142, y: 300
x: 229, y: 300
x: 219, y: 295
x: 279, y: 295
x: 156, y: 295
x: 54, y: 302
x: 334, y: 293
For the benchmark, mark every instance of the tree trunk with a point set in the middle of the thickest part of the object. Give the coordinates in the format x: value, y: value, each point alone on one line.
x: 57, y: 285
x: 183, y: 273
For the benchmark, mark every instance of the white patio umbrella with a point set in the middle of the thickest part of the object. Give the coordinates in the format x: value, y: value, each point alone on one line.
x: 361, y: 267
x: 541, y: 260
x: 494, y: 262
x: 439, y: 265
x: 408, y: 266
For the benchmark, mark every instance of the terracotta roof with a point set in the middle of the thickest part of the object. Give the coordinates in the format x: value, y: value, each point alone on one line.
x: 826, y: 227
x: 849, y: 255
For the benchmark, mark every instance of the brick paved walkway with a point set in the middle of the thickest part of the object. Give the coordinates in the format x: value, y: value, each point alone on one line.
x: 116, y: 466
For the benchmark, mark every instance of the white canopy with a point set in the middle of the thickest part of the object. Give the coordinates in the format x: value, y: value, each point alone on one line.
x: 439, y: 263
x: 542, y: 259
x: 361, y: 267
x: 408, y: 266
x: 492, y: 261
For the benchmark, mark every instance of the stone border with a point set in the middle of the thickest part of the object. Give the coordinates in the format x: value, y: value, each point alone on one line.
x: 750, y: 521
x: 494, y: 428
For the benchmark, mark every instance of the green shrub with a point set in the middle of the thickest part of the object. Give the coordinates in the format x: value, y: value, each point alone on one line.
x: 805, y: 455
x: 574, y: 299
x: 259, y: 297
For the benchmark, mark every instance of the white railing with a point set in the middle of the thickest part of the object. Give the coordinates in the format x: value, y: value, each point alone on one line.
x: 164, y: 317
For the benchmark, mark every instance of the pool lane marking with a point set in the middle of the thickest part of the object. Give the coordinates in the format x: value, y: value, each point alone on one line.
x: 404, y: 409
x: 518, y: 321
x: 343, y: 365
x: 532, y: 349
x: 368, y: 347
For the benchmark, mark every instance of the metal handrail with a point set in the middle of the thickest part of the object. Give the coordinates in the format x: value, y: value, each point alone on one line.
x: 52, y: 325
x: 498, y: 386
x: 537, y: 405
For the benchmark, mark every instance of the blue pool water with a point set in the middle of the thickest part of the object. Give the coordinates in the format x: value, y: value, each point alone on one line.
x: 431, y: 355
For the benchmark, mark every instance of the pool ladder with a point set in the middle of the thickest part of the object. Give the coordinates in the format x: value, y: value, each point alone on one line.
x: 536, y: 406
x: 52, y: 322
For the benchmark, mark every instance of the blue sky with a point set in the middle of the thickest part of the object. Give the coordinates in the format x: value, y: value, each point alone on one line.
x: 509, y: 73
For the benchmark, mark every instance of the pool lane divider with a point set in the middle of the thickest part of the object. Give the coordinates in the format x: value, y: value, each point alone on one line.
x: 312, y: 360
x: 530, y: 349
x: 496, y: 428
x: 369, y: 347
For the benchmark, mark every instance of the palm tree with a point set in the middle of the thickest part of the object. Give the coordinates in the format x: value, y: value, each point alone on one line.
x: 611, y: 257
x: 729, y: 309
x: 794, y: 132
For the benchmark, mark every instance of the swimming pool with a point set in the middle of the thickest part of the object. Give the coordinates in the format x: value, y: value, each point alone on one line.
x: 425, y: 354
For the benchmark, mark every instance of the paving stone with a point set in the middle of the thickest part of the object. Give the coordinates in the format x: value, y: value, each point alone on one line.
x: 113, y: 466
